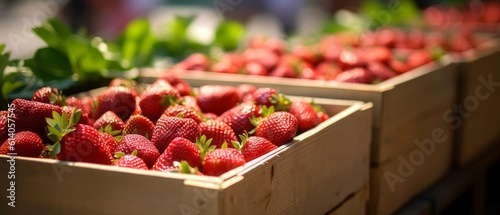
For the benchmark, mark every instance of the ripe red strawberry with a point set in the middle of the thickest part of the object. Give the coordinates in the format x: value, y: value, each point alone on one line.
x: 196, y: 61
x: 219, y: 161
x: 109, y: 118
x: 128, y: 83
x: 380, y: 70
x: 356, y: 75
x: 181, y: 149
x: 120, y: 100
x: 180, y: 85
x: 399, y: 66
x: 323, y: 116
x: 278, y: 127
x: 238, y: 118
x: 349, y: 59
x: 75, y: 102
x: 145, y: 148
x: 228, y: 63
x: 216, y: 99
x: 76, y: 142
x: 89, y: 107
x: 418, y: 58
x: 4, y: 125
x: 376, y: 53
x: 190, y: 102
x: 209, y: 116
x: 139, y: 124
x: 306, y: 115
x: 157, y: 98
x: 264, y: 57
x: 49, y: 95
x: 254, y: 147
x: 129, y: 161
x: 307, y: 54
x: 167, y: 128
x: 218, y: 131
x: 253, y: 68
x: 26, y: 143
x: 326, y: 71
x: 185, y: 112
x: 30, y: 116
x: 245, y: 92
x: 276, y: 45
x: 270, y: 97
x: 110, y: 141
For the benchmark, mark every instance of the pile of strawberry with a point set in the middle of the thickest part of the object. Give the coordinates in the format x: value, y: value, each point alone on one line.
x: 368, y: 58
x: 166, y: 126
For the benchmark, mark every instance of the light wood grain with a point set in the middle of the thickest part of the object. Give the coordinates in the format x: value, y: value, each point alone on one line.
x: 354, y: 204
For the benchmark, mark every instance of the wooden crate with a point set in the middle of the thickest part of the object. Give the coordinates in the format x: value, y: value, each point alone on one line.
x: 478, y: 127
x: 407, y: 108
x: 310, y: 175
x: 353, y: 204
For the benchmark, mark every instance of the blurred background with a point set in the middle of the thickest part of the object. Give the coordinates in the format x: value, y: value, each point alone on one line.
x: 108, y: 18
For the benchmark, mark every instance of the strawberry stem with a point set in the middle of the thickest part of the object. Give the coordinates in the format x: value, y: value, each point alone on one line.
x: 59, y: 126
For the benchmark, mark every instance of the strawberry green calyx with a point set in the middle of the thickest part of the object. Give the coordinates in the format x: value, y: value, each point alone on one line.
x: 57, y: 98
x: 168, y: 100
x: 117, y: 134
x: 59, y: 126
x: 184, y: 167
x: 119, y: 155
x: 280, y: 102
x: 316, y: 107
x: 204, y: 145
x: 265, y: 112
x: 239, y: 145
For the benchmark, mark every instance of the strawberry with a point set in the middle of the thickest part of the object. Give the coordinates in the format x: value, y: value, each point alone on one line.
x: 398, y: 66
x: 167, y: 128
x: 109, y: 118
x: 278, y: 127
x: 183, y: 149
x: 222, y: 160
x: 216, y: 99
x: 245, y: 92
x: 30, y: 116
x: 322, y: 116
x: 145, y: 148
x: 76, y: 102
x: 183, y: 167
x: 49, y: 95
x: 238, y: 118
x: 118, y: 99
x: 330, y: 49
x: 157, y: 98
x: 306, y: 115
x: 228, y: 63
x: 326, y: 71
x: 349, y: 59
x: 209, y: 116
x: 355, y: 75
x: 180, y: 85
x: 196, y: 61
x: 253, y: 68
x: 189, y: 102
x: 26, y: 143
x: 4, y: 125
x: 380, y: 70
x: 129, y: 161
x: 89, y: 107
x: 267, y: 58
x: 185, y: 112
x: 276, y: 45
x: 139, y: 124
x: 75, y: 142
x: 128, y: 83
x: 109, y: 140
x: 218, y: 131
x: 418, y: 58
x: 307, y: 54
x: 376, y: 53
x: 254, y: 147
x: 270, y: 97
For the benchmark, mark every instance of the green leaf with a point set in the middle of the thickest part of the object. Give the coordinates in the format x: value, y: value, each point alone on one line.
x: 50, y: 64
x: 57, y: 148
x: 229, y: 35
x: 137, y: 43
x: 53, y: 32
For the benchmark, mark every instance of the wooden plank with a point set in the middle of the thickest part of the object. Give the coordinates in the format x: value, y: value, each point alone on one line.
x: 479, y: 119
x: 396, y: 182
x: 417, y: 207
x: 353, y: 204
x: 302, y: 178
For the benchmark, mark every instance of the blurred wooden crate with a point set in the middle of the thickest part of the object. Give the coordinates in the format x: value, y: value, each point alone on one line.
x: 477, y: 118
x: 407, y: 109
x: 309, y: 175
